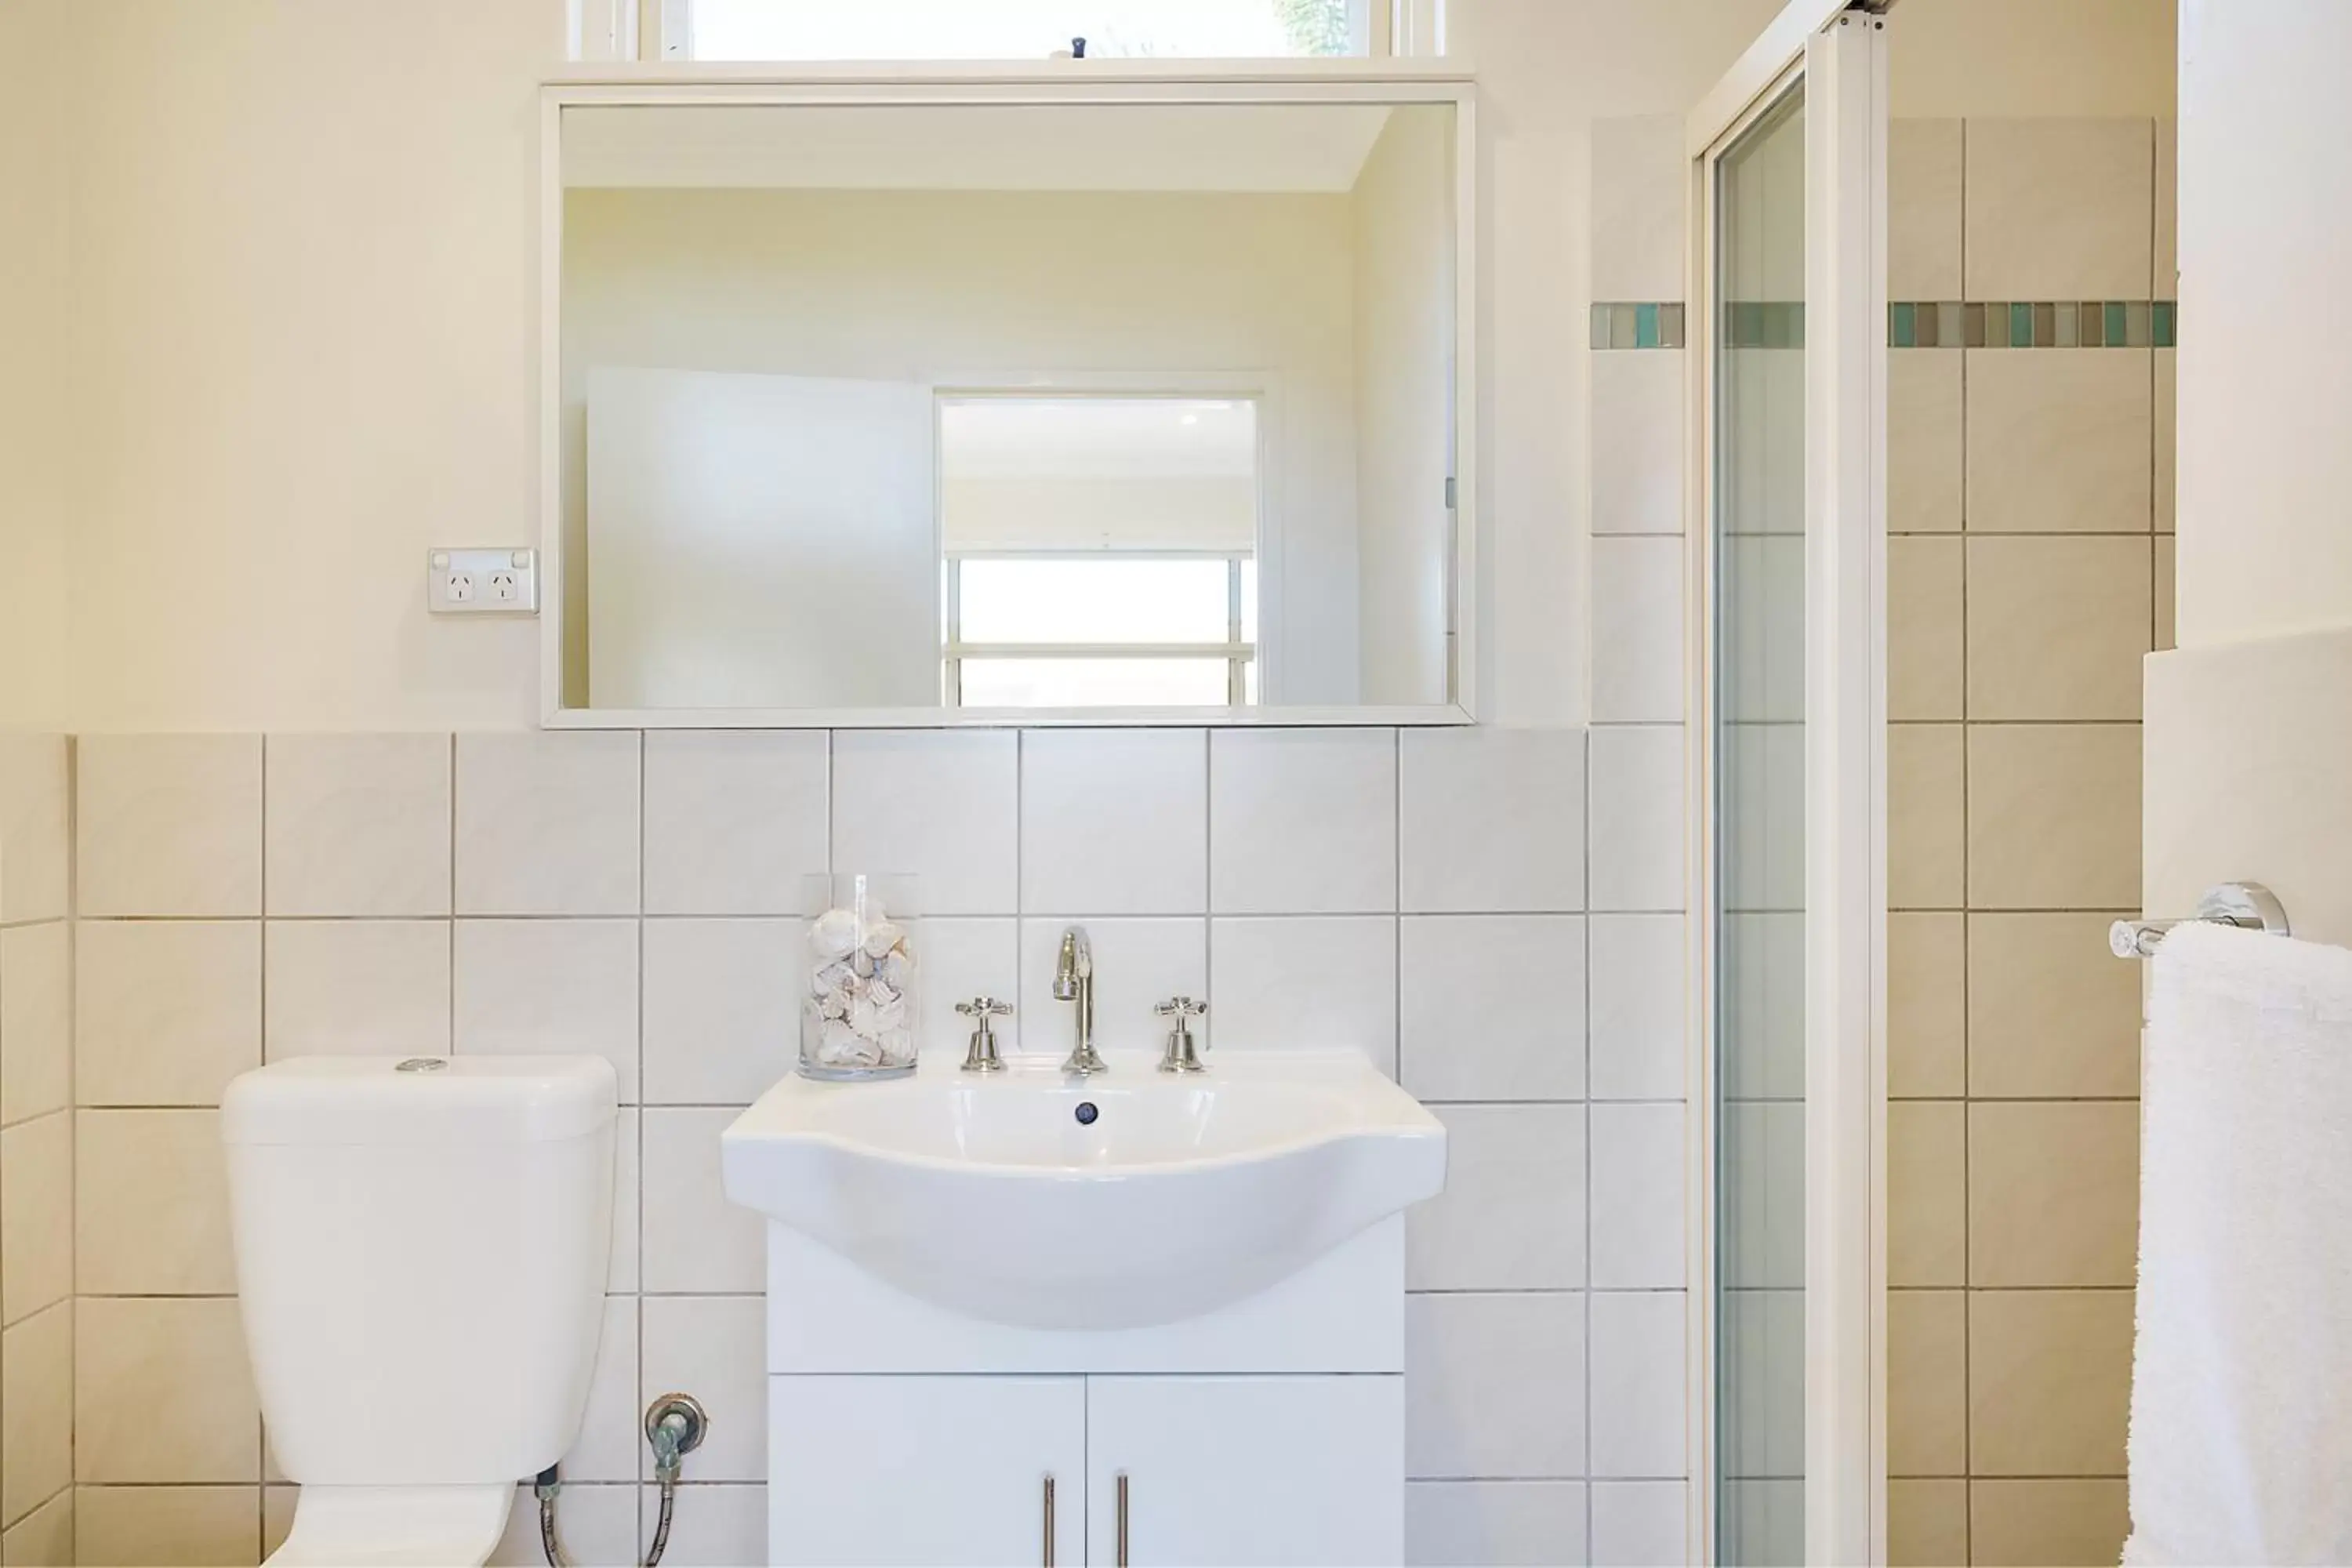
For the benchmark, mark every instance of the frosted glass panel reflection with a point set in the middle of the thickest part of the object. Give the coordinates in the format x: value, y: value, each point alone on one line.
x: 1094, y: 682
x: 1096, y: 600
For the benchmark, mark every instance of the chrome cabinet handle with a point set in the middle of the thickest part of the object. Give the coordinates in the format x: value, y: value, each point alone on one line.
x: 1048, y: 1557
x: 1122, y: 1519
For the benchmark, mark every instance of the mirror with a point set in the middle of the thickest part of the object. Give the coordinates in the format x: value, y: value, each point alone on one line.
x: 943, y: 411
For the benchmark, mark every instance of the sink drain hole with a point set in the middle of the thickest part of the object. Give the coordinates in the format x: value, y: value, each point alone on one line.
x: 1087, y: 1112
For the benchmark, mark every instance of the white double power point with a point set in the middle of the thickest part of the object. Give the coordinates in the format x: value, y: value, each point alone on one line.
x: 481, y: 582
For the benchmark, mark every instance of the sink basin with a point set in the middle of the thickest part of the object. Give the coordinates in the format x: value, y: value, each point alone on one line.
x: 1005, y: 1197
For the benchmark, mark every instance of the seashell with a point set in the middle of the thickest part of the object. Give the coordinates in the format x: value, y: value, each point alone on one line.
x: 860, y: 965
x: 830, y: 977
x: 896, y: 969
x: 864, y: 1017
x: 881, y: 936
x: 834, y: 935
x: 882, y: 991
x: 840, y: 1047
x: 834, y: 1005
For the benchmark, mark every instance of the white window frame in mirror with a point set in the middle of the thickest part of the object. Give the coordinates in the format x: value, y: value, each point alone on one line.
x: 1346, y: 81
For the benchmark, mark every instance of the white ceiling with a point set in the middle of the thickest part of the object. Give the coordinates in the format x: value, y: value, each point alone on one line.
x: 1244, y: 147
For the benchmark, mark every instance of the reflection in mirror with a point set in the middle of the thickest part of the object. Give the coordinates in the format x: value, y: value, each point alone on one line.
x: 1008, y: 406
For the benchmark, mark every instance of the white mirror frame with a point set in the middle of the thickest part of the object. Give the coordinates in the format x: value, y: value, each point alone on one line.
x: 1387, y: 81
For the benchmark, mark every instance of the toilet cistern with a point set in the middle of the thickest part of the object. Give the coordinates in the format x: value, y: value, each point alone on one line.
x: 1074, y: 981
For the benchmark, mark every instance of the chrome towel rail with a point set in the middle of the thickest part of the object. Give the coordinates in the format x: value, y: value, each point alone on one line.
x: 2249, y: 906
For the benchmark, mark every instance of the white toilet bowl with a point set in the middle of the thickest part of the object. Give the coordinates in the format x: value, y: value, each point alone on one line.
x: 421, y: 1250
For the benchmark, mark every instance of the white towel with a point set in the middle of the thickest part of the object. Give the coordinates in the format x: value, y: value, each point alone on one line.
x: 2242, y: 1375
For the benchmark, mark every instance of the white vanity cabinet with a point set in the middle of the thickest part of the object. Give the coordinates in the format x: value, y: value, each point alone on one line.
x: 1172, y: 1471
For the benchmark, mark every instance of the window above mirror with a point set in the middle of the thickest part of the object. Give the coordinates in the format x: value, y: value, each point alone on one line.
x: 750, y: 30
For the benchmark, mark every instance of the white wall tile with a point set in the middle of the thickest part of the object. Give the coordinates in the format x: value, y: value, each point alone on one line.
x: 36, y: 1216
x: 163, y: 1392
x: 1491, y: 1006
x: 1638, y: 1182
x: 1637, y: 442
x: 549, y: 987
x: 1638, y: 986
x: 1923, y: 209
x: 721, y: 1008
x: 955, y: 961
x: 1512, y: 1215
x: 1494, y: 1525
x: 358, y: 825
x: 1492, y: 820
x: 610, y: 1436
x: 1637, y: 631
x: 168, y: 825
x: 1315, y: 981
x: 1639, y: 175
x: 596, y: 1523
x: 942, y: 805
x: 36, y: 845
x: 1636, y: 822
x: 1639, y: 1382
x: 719, y: 1527
x: 737, y: 821
x: 356, y: 988
x: 716, y: 1348
x: 1493, y: 1386
x: 151, y: 1205
x: 36, y: 1020
x: 1302, y: 821
x: 166, y: 1011
x: 1641, y: 1524
x: 695, y: 1240
x: 1113, y: 822
x: 1139, y: 964
x: 2059, y: 208
x: 547, y: 823
x: 621, y: 1271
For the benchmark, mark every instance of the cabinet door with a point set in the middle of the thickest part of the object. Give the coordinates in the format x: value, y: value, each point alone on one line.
x: 1257, y: 1470
x: 926, y: 1470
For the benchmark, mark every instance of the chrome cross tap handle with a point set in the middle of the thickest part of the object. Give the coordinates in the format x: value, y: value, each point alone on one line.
x: 982, y: 1056
x: 1181, y: 1056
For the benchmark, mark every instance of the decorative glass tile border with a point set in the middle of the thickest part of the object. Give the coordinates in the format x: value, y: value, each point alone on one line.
x: 1624, y: 324
x: 2033, y: 323
x: 1763, y: 323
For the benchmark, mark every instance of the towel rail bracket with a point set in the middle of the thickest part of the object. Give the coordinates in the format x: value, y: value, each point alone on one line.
x: 2248, y: 906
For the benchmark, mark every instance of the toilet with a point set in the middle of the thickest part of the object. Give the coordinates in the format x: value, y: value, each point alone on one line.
x: 421, y: 1253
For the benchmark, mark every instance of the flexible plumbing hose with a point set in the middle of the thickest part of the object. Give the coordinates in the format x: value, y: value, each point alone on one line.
x: 553, y: 1548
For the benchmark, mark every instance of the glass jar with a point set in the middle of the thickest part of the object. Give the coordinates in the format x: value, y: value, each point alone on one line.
x: 859, y: 1008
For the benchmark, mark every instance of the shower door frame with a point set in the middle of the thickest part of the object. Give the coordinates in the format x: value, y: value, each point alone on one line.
x: 1839, y: 52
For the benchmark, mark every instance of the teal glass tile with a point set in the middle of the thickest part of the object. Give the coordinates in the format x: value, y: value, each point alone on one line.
x: 2160, y: 330
x: 2113, y: 311
x: 1902, y: 331
x: 2021, y: 325
x: 1645, y: 326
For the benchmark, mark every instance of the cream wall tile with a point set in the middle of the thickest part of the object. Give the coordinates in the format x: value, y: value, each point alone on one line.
x: 2167, y: 593
x: 36, y: 841
x: 1640, y: 1389
x: 1926, y: 1382
x: 538, y: 987
x: 2166, y: 268
x: 1926, y: 1193
x: 1637, y: 1185
x: 1491, y: 1006
x: 2060, y: 440
x: 36, y: 1409
x: 168, y: 825
x: 1318, y: 981
x: 721, y: 1008
x: 2053, y: 1192
x: 151, y: 1205
x: 2059, y: 209
x: 44, y: 1538
x: 358, y: 825
x: 715, y: 1346
x: 1302, y: 821
x: 1926, y: 1006
x: 189, y: 1527
x: 1637, y: 442
x: 2050, y: 1013
x: 1492, y: 1524
x: 36, y: 1020
x: 1923, y: 209
x: 1139, y: 964
x: 1491, y: 820
x: 166, y: 1012
x: 2049, y: 1382
x: 942, y: 805
x: 1925, y: 641
x: 1927, y: 820
x: 1636, y: 630
x: 736, y: 820
x: 2022, y: 1521
x: 697, y: 1242
x: 547, y: 823
x: 1634, y: 861
x: 2166, y: 416
x: 163, y: 1392
x: 1512, y: 1215
x: 1641, y: 1524
x: 1639, y: 174
x: 2053, y: 815
x: 1115, y: 822
x: 36, y: 1216
x: 1924, y: 440
x: 1636, y: 966
x: 356, y: 988
x: 1926, y: 1523
x: 2057, y: 627
x: 1494, y: 1385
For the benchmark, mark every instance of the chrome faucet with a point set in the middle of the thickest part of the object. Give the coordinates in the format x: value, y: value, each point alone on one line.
x: 1074, y: 981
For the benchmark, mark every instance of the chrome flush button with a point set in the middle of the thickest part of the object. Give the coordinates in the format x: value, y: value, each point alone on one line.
x: 423, y: 1064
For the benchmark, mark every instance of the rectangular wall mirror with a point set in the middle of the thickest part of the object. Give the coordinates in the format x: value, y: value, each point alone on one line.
x: 1033, y: 410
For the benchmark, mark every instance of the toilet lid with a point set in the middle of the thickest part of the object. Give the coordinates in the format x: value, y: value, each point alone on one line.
x: 410, y: 1527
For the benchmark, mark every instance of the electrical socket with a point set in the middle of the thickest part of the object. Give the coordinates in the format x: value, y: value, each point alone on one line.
x: 481, y: 582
